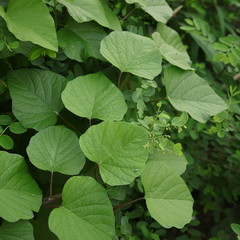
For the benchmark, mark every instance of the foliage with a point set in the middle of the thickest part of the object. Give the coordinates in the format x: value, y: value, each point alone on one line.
x: 116, y: 116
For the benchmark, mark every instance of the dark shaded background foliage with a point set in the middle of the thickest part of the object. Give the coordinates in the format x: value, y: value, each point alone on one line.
x: 212, y: 149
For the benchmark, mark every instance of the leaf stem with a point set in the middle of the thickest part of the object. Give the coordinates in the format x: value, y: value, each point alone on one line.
x: 222, y: 71
x: 119, y: 79
x: 125, y: 80
x: 51, y: 186
x: 128, y: 203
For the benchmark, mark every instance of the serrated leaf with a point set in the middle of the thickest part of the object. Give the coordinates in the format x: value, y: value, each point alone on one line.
x: 171, y: 47
x: 22, y: 18
x: 94, y: 96
x: 86, y: 212
x: 21, y: 230
x: 6, y: 142
x: 56, y: 149
x: 132, y: 53
x: 169, y: 157
x: 158, y: 9
x: 36, y: 96
x: 19, y: 193
x: 188, y: 92
x: 181, y: 120
x: 17, y: 128
x: 168, y: 199
x: 5, y: 120
x: 97, y: 10
x: 122, y: 160
x: 81, y: 41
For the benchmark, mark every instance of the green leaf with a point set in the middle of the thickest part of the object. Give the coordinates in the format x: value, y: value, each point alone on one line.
x: 22, y: 18
x: 5, y: 120
x: 56, y: 149
x: 233, y: 59
x: 17, y: 128
x: 97, y: 10
x: 236, y: 228
x: 171, y: 47
x: 220, y: 47
x: 122, y: 160
x: 94, y: 96
x: 19, y: 194
x: 81, y: 41
x: 168, y: 199
x: 158, y: 9
x: 170, y: 158
x: 132, y: 53
x: 21, y: 230
x: 181, y: 120
x: 6, y: 142
x: 86, y: 212
x: 188, y: 92
x: 36, y: 96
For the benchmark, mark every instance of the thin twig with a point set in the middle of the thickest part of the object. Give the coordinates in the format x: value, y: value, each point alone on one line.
x: 236, y: 77
x: 128, y: 14
x: 128, y: 203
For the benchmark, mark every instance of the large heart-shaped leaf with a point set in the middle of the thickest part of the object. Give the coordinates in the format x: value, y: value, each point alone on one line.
x: 19, y: 194
x: 22, y: 18
x: 86, y: 212
x: 169, y: 157
x: 171, y: 47
x: 36, y: 96
x: 97, y: 10
x: 80, y: 41
x: 158, y: 9
x: 188, y: 92
x: 118, y: 149
x: 168, y: 199
x: 94, y: 96
x: 21, y: 230
x: 56, y: 149
x: 132, y: 53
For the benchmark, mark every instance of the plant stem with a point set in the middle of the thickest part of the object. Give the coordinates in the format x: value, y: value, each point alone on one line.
x: 125, y: 80
x: 52, y: 206
x: 6, y: 128
x: 223, y: 70
x: 54, y: 198
x: 158, y: 99
x: 51, y: 186
x: 68, y: 123
x: 90, y: 122
x: 55, y: 13
x: 128, y: 14
x: 119, y: 79
x: 125, y: 204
